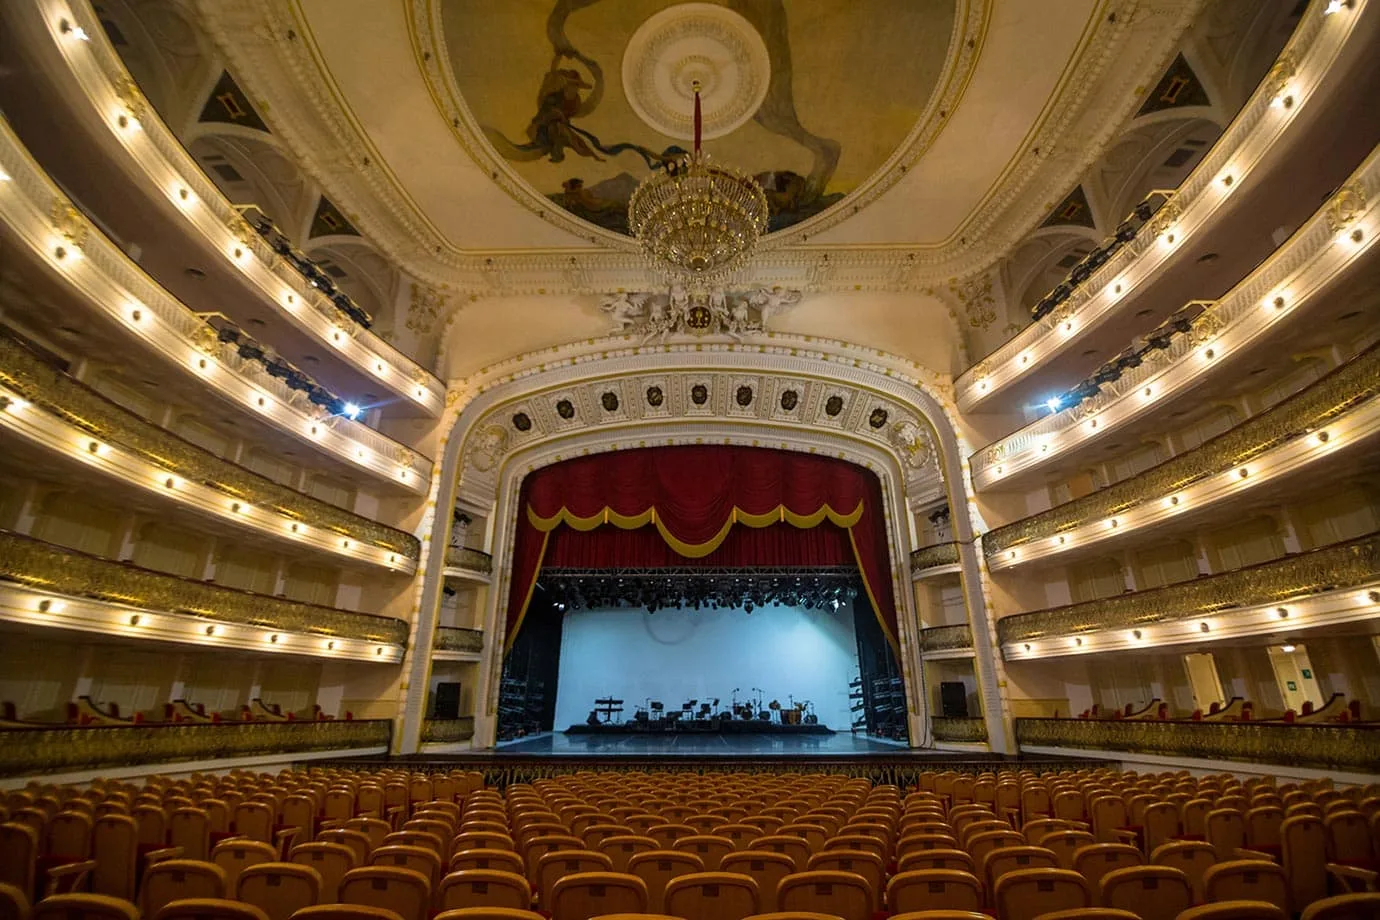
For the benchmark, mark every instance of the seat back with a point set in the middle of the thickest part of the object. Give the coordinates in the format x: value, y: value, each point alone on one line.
x: 68, y: 835
x: 501, y: 860
x: 483, y: 888
x: 794, y: 847
x: 405, y: 891
x: 561, y: 863
x: 481, y: 840
x: 1234, y: 910
x: 356, y: 842
x: 1010, y: 859
x: 710, y: 849
x: 765, y: 868
x: 1357, y: 906
x: 1247, y: 880
x: 235, y: 855
x: 936, y: 859
x: 1093, y: 862
x: 1303, y: 842
x: 115, y: 848
x: 1349, y: 836
x: 1161, y: 824
x: 178, y: 879
x: 1027, y: 893
x: 597, y: 894
x: 1191, y: 857
x: 330, y: 861
x: 1153, y: 892
x: 841, y: 894
x: 84, y: 906
x: 420, y: 859
x: 624, y: 847
x: 539, y: 846
x: 254, y: 820
x: 1226, y: 831
x: 859, y: 862
x: 741, y: 834
x: 279, y: 889
x: 656, y: 868
x: 712, y: 896
x: 667, y: 834
x: 1065, y: 844
x: 18, y: 852
x: 934, y: 889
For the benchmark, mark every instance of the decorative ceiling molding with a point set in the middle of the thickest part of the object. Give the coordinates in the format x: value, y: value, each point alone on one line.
x: 1125, y: 49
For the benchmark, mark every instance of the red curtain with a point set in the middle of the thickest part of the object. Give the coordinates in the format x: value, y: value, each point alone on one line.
x: 702, y: 505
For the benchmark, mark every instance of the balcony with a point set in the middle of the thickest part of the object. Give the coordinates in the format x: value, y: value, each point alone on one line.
x: 1298, y: 591
x: 458, y: 644
x: 63, y: 749
x: 1325, y: 747
x: 62, y: 581
x: 1274, y: 442
x: 447, y: 731
x: 47, y: 407
x: 468, y: 564
x: 50, y: 235
x: 937, y: 559
x: 944, y: 641
x: 959, y: 731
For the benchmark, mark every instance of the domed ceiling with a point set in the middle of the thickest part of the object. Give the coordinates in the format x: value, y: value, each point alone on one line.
x: 584, y: 98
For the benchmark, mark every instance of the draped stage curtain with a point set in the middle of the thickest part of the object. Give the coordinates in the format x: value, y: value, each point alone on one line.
x: 707, y: 505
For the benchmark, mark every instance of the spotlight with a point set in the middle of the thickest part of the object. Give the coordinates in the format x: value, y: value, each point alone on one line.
x: 351, y: 411
x: 1287, y: 647
x: 1053, y: 403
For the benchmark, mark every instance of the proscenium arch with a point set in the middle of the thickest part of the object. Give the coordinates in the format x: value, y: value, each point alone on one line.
x: 501, y: 387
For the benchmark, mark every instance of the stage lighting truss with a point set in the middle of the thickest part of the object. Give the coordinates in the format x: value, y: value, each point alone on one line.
x: 813, y: 588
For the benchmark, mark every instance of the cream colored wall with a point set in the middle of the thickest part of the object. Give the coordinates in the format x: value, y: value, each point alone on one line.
x: 914, y: 326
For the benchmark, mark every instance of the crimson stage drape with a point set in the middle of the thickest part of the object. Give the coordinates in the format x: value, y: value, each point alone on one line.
x: 702, y: 505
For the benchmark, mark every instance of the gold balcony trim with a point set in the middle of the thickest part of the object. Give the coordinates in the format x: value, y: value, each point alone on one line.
x: 968, y: 731
x: 943, y: 638
x: 1341, y: 565
x: 33, y: 751
x: 1328, y: 747
x: 447, y: 731
x: 55, y: 391
x: 456, y: 639
x: 472, y: 560
x: 49, y: 567
x: 1347, y: 387
x: 929, y: 557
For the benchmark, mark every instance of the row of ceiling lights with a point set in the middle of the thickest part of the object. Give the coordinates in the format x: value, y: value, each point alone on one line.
x: 1284, y: 101
x: 53, y: 608
x: 1057, y: 645
x: 90, y: 450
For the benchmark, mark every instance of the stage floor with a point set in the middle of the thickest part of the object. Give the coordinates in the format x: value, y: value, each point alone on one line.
x: 699, y: 744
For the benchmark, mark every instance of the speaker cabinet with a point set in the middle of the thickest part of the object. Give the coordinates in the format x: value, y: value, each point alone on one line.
x: 447, y: 701
x: 953, y: 699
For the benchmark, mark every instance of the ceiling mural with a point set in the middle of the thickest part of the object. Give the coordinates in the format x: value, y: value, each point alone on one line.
x: 583, y: 98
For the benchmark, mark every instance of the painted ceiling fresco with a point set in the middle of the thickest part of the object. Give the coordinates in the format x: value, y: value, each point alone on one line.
x: 826, y: 90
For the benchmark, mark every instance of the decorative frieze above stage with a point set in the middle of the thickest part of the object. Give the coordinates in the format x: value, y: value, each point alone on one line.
x: 678, y: 311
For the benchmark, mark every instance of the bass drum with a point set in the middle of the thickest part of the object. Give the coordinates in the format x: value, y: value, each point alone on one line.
x: 790, y: 717
x: 812, y: 719
x: 764, y: 715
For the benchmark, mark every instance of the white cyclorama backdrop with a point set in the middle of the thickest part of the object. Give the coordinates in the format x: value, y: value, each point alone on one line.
x: 676, y: 655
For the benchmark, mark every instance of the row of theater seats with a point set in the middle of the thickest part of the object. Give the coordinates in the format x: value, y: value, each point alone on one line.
x: 85, y: 712
x: 1013, y: 846
x: 1337, y: 709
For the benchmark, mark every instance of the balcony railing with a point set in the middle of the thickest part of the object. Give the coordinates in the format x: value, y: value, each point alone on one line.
x: 1342, y: 565
x: 54, y: 568
x: 945, y: 638
x: 929, y: 557
x: 448, y: 731
x: 959, y: 730
x: 455, y: 639
x: 1348, y: 386
x: 1329, y: 747
x: 49, y: 388
x: 32, y: 751
x: 471, y: 560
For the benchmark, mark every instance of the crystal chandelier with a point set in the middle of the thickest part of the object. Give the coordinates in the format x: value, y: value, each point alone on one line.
x: 697, y: 220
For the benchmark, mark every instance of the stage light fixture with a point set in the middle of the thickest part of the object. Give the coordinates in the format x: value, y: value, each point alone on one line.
x: 351, y: 411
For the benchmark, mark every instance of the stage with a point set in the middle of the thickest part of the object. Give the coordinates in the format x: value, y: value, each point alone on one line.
x: 698, y: 744
x: 699, y: 727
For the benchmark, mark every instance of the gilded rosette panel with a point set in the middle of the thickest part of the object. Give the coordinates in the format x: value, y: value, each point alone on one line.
x: 971, y: 731
x: 455, y: 639
x: 1327, y: 746
x: 1315, y: 407
x: 447, y: 731
x: 1343, y: 565
x: 927, y: 557
x: 944, y: 638
x: 473, y: 560
x: 52, y: 568
x: 54, y: 391
x: 32, y: 751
